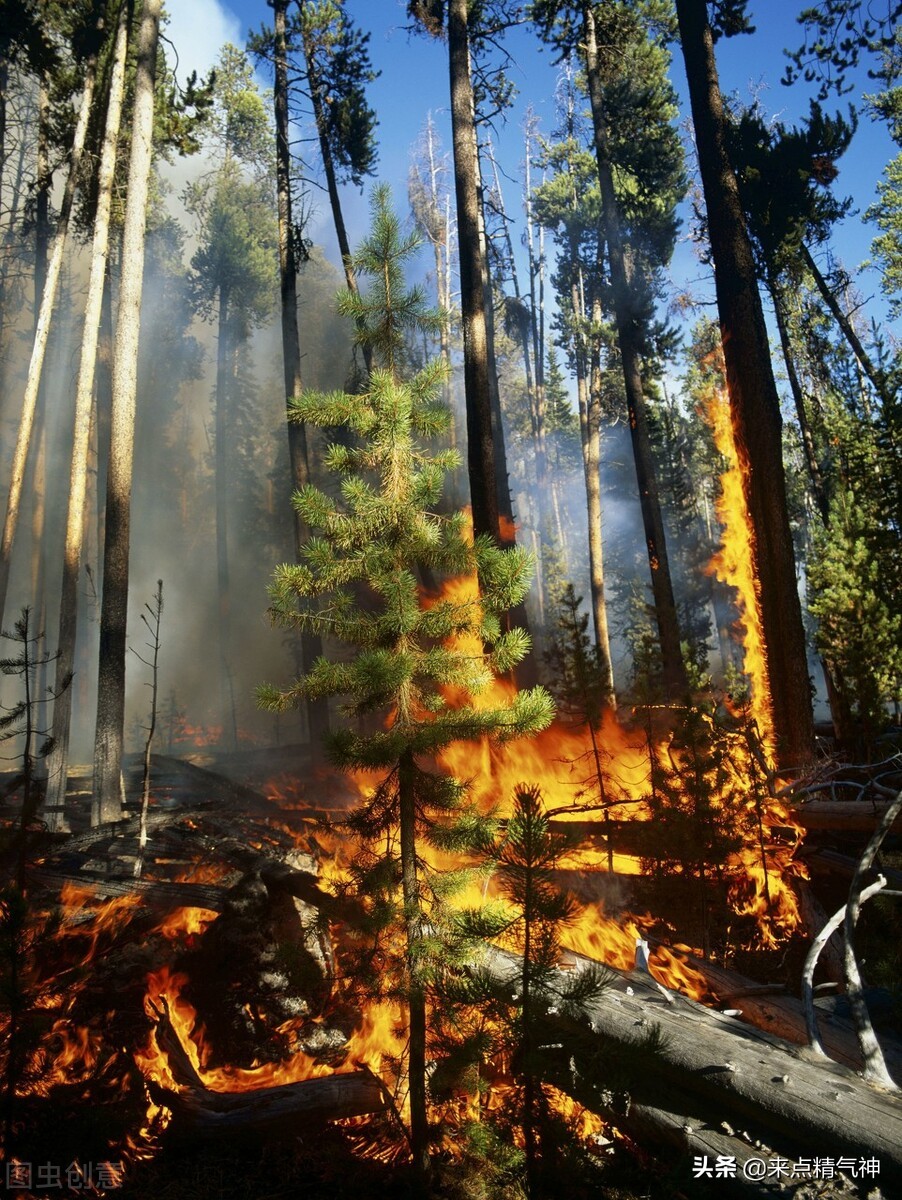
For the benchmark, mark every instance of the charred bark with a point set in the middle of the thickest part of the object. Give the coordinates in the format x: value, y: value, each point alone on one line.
x: 754, y: 402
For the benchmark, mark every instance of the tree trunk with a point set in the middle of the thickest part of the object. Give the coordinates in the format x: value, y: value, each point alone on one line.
x: 676, y: 683
x: 536, y: 316
x: 298, y: 452
x: 416, y: 1068
x: 506, y: 535
x: 104, y: 406
x: 58, y: 760
x: 35, y: 366
x: 815, y: 477
x: 590, y: 430
x: 107, y: 803
x: 754, y: 402
x: 220, y: 448
x: 480, y: 444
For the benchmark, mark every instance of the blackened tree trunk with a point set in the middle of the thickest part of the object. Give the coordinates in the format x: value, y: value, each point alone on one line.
x: 107, y: 801
x: 628, y: 337
x: 754, y: 402
x: 298, y: 452
x: 480, y: 444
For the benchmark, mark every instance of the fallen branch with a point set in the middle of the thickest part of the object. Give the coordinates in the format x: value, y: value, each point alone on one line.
x: 199, y: 1111
x: 874, y: 1064
x: 814, y: 1037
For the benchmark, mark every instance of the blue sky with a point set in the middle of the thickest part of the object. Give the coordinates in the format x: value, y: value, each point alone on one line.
x: 414, y: 81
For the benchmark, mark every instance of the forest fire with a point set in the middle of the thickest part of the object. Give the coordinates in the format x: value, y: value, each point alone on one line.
x: 485, y: 876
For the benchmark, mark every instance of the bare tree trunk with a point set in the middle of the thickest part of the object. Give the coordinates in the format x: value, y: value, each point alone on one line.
x: 35, y: 367
x: 298, y: 453
x: 107, y: 803
x: 536, y: 313
x: 874, y: 374
x: 754, y: 403
x: 480, y: 444
x: 317, y: 101
x: 676, y: 683
x: 220, y: 446
x: 442, y: 248
x: 505, y: 533
x: 10, y: 215
x: 588, y: 399
x: 58, y: 760
x: 592, y: 464
x: 104, y: 405
x: 815, y: 476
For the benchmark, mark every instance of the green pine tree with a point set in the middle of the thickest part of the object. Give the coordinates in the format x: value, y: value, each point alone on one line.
x: 356, y: 584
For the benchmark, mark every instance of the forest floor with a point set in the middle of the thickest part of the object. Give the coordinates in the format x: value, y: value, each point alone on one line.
x: 88, y: 979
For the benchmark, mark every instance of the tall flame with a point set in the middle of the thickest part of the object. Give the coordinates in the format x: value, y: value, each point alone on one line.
x: 734, y: 562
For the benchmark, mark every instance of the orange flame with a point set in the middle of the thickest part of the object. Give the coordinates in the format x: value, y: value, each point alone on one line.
x: 734, y: 563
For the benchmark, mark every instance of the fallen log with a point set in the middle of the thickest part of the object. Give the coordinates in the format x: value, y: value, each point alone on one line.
x: 831, y: 862
x: 92, y: 839
x: 804, y: 1106
x: 768, y: 1007
x: 152, y: 892
x: 841, y: 816
x: 288, y: 1108
x: 674, y: 1135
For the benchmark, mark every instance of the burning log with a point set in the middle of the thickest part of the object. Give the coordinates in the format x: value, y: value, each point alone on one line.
x: 264, y: 960
x: 198, y: 1110
x: 803, y: 1106
x: 273, y: 1110
x: 153, y: 892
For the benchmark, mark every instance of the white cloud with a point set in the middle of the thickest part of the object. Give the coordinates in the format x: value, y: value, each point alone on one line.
x: 198, y: 29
